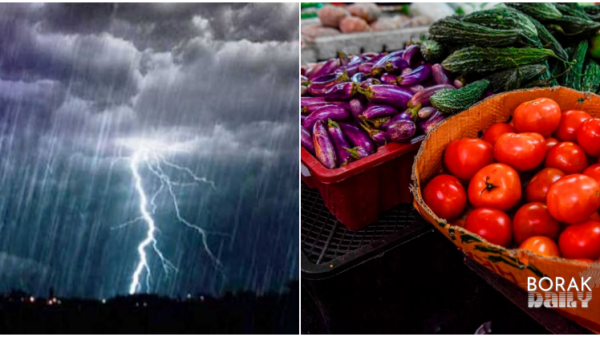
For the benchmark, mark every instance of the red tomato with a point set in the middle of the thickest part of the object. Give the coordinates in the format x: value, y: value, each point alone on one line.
x: 521, y: 151
x: 581, y: 240
x: 496, y: 186
x: 491, y: 224
x: 550, y: 142
x: 595, y: 216
x: 464, y: 157
x: 593, y: 172
x: 542, y: 115
x: 567, y: 157
x: 573, y: 198
x: 540, y: 245
x: 533, y: 219
x: 538, y: 187
x: 588, y: 136
x: 569, y: 122
x: 446, y: 196
x: 494, y: 132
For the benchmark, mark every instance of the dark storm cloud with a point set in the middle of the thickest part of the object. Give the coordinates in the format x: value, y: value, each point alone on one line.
x: 77, y: 81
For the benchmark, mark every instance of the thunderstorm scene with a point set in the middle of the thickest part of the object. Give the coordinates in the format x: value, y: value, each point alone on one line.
x: 149, y: 168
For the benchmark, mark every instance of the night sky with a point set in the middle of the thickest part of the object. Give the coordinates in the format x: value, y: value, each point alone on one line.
x: 182, y: 94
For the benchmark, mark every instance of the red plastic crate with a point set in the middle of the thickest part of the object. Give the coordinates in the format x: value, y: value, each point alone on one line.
x: 359, y: 191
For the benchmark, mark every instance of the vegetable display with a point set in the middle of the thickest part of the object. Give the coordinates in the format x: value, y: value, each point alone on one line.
x: 368, y: 100
x: 533, y: 186
x: 520, y: 45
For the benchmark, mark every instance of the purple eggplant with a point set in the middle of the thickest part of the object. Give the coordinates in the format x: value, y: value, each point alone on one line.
x: 406, y: 71
x: 358, y: 137
x: 310, y: 100
x: 355, y: 61
x: 341, y: 91
x: 329, y: 67
x: 401, y: 131
x: 302, y: 119
x: 416, y: 88
x: 378, y: 136
x: 388, y: 95
x: 339, y: 143
x: 324, y: 149
x: 412, y: 55
x: 365, y: 67
x: 348, y: 70
x: 303, y: 90
x: 356, y: 109
x: 388, y: 78
x: 377, y: 111
x: 439, y: 74
x: 426, y: 112
x: 403, y: 116
x: 426, y: 125
x: 306, y: 140
x: 315, y: 68
x: 303, y: 79
x: 422, y: 97
x: 319, y: 86
x: 308, y: 109
x: 358, y: 78
x: 379, y: 66
x: 334, y: 112
x: 378, y: 57
x: 395, y: 64
x: 368, y: 82
x: 418, y: 75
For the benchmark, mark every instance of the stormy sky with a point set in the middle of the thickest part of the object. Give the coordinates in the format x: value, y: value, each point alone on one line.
x: 193, y: 90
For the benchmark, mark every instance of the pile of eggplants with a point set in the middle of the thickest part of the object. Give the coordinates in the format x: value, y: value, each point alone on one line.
x: 350, y: 105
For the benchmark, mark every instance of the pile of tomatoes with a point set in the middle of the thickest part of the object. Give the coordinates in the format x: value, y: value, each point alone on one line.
x: 533, y: 183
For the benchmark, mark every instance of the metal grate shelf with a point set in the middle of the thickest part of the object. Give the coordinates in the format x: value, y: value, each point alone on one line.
x: 328, y: 248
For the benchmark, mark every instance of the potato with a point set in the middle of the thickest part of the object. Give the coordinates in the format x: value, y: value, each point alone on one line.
x: 353, y: 24
x: 312, y: 32
x: 331, y: 16
x: 366, y: 11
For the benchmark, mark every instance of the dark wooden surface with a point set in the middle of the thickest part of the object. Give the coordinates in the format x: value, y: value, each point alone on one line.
x: 548, y: 318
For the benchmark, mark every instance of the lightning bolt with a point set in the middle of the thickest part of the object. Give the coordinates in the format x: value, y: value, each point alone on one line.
x: 156, y: 164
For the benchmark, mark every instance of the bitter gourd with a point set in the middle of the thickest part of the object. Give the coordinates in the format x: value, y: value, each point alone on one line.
x: 485, y: 60
x: 453, y: 31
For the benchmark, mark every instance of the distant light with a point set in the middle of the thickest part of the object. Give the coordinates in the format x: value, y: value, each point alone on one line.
x: 54, y: 300
x: 49, y: 302
x: 202, y: 298
x: 59, y: 302
x: 137, y: 304
x: 189, y: 296
x: 145, y: 304
x: 31, y: 299
x: 103, y: 301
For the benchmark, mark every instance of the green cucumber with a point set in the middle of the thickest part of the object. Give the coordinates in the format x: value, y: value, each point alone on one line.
x: 572, y: 78
x: 453, y: 31
x: 591, y: 77
x: 538, y: 10
x: 512, y: 79
x: 507, y: 18
x: 486, y: 60
x: 451, y: 101
x: 432, y: 51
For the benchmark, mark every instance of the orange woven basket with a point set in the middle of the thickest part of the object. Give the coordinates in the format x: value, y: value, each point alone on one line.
x: 514, y: 265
